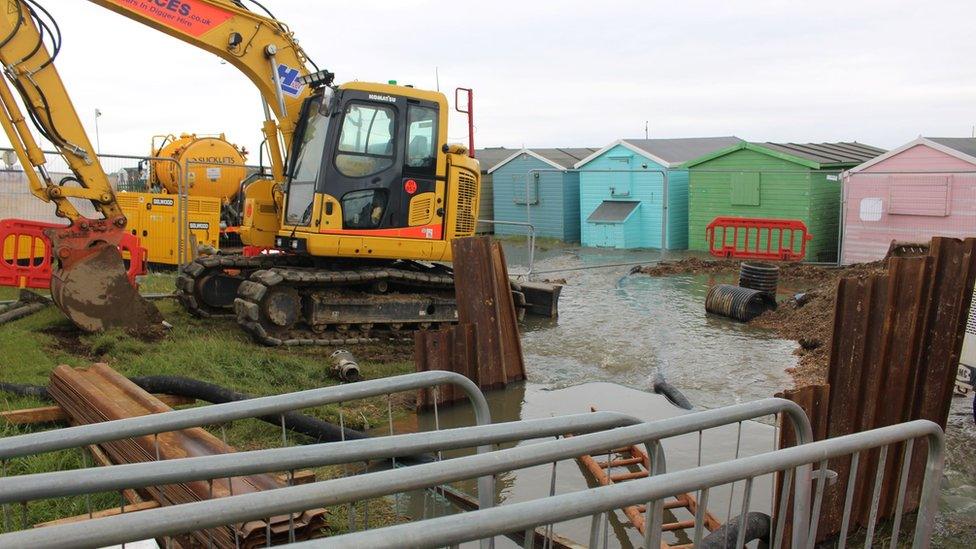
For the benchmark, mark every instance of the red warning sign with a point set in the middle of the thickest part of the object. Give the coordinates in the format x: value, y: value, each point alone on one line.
x: 190, y: 16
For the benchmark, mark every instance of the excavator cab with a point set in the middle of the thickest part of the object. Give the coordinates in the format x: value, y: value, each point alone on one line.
x: 369, y: 175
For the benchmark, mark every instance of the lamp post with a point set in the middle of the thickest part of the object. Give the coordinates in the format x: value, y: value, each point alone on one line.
x: 98, y: 140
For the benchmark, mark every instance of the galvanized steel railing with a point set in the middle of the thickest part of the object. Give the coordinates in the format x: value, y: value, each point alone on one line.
x: 277, y: 405
x: 528, y: 515
x: 235, y: 509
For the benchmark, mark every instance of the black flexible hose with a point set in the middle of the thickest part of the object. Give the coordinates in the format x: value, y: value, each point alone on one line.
x: 320, y: 430
x: 35, y: 391
x: 670, y: 392
x: 317, y: 429
x: 758, y: 527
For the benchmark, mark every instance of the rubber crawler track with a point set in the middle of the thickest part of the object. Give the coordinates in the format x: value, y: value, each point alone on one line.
x: 249, y: 310
x: 186, y: 282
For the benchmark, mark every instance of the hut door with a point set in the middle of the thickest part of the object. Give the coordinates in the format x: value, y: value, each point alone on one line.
x: 604, y: 235
x: 620, y: 179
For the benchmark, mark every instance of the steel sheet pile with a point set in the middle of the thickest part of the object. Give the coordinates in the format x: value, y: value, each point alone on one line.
x: 102, y: 394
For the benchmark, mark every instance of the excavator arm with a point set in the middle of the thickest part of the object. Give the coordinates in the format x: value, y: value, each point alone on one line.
x: 89, y: 282
x: 28, y: 67
x: 261, y: 47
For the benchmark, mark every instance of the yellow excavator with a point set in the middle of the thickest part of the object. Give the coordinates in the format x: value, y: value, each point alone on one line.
x: 363, y: 199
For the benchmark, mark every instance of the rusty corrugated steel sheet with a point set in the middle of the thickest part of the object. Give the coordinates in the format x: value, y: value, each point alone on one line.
x: 102, y: 394
x: 454, y: 349
x: 894, y: 352
x: 484, y: 299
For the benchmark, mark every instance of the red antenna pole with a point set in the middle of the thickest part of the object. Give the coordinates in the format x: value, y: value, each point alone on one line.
x: 470, y: 112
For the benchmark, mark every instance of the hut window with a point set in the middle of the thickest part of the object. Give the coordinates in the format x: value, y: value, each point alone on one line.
x: 924, y: 195
x: 871, y: 209
x: 620, y: 182
x: 525, y: 194
x: 745, y: 189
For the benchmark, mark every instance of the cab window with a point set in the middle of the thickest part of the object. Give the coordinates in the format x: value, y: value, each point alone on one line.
x: 367, y: 143
x: 306, y: 163
x: 363, y: 209
x: 421, y: 138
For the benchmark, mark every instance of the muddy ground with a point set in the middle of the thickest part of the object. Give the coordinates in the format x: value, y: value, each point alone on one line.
x: 806, y: 318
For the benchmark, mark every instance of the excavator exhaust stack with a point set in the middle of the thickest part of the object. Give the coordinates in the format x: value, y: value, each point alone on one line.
x: 90, y: 283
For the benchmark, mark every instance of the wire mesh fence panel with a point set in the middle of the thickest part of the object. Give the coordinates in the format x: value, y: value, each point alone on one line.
x: 125, y: 174
x: 907, y: 208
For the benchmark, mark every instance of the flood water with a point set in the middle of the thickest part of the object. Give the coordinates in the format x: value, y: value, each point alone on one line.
x: 615, y: 332
x: 624, y: 328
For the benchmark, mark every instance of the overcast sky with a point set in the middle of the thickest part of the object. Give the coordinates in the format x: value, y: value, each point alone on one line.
x: 566, y: 73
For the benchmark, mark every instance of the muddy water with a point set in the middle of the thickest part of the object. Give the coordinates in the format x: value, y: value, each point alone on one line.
x: 626, y: 328
x: 614, y: 333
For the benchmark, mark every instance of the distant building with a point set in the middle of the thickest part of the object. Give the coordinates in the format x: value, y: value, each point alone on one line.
x: 922, y: 189
x: 634, y: 195
x: 489, y: 157
x: 539, y: 186
x: 774, y: 181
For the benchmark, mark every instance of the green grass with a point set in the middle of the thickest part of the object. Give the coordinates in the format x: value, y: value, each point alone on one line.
x: 210, y: 350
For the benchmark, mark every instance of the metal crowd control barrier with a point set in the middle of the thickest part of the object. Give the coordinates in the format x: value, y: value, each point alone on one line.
x: 528, y: 515
x: 530, y: 242
x: 235, y: 509
x: 81, y: 436
x: 784, y: 239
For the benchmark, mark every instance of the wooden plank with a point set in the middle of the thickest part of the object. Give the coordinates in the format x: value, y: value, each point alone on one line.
x: 139, y: 506
x: 51, y: 414
x: 101, y: 458
x: 305, y: 476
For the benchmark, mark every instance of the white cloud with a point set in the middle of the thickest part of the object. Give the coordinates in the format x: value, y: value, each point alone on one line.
x: 567, y: 73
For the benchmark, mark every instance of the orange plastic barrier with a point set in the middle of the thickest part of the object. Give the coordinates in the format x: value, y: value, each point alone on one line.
x: 26, y: 258
x: 757, y: 238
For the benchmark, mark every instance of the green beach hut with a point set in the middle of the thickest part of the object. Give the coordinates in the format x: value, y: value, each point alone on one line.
x: 776, y: 181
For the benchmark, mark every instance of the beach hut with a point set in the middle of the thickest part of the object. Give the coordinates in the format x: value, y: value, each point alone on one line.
x: 539, y: 187
x: 922, y: 189
x: 488, y: 158
x: 788, y: 181
x: 633, y: 195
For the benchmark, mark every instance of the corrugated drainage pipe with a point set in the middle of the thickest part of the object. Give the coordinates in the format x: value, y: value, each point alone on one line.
x: 759, y: 276
x: 739, y: 303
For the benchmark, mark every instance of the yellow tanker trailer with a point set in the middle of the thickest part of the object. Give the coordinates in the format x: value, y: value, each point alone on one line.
x: 212, y: 166
x: 210, y: 170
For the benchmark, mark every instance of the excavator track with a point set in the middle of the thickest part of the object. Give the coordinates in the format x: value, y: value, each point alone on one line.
x: 317, y: 306
x: 208, y: 286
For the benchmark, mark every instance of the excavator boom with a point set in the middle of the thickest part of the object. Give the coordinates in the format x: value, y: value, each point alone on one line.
x: 89, y: 281
x: 262, y: 48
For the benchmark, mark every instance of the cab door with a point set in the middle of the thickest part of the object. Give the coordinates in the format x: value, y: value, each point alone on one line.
x: 383, y: 170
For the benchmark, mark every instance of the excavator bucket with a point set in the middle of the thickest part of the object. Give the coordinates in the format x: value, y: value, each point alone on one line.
x: 90, y: 284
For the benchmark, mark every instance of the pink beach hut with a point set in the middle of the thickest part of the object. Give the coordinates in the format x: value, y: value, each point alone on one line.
x: 923, y: 189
